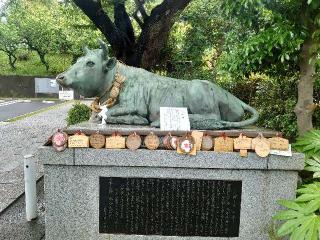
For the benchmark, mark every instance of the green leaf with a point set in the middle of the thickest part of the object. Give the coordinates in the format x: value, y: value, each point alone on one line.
x: 287, y: 56
x: 312, y: 188
x: 313, y: 162
x: 309, y: 143
x: 290, y: 226
x: 312, y: 233
x: 289, y: 204
x: 307, y: 197
x: 287, y: 214
x: 303, y: 190
x: 312, y: 206
x: 300, y: 232
x: 312, y: 168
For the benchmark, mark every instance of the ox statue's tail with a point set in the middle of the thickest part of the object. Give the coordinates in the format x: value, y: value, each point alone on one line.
x: 250, y: 121
x: 207, y: 124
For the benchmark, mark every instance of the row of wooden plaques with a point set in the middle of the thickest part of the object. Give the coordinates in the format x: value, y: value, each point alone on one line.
x: 187, y: 144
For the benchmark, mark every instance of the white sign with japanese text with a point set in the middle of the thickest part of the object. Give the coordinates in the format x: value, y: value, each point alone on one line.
x: 174, y: 119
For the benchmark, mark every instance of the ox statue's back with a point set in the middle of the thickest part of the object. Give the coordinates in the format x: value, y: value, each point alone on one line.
x: 134, y: 95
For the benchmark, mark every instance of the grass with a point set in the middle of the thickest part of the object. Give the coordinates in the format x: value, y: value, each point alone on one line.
x: 28, y: 64
x: 37, y: 112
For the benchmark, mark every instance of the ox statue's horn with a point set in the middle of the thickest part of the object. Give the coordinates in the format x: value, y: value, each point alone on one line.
x: 86, y: 49
x: 104, y: 48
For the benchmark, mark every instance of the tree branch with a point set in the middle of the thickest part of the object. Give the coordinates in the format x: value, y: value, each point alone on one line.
x: 141, y: 9
x: 93, y: 9
x: 122, y: 21
x: 135, y: 16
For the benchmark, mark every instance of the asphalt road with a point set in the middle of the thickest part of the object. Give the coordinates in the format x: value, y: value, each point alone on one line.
x: 17, y: 107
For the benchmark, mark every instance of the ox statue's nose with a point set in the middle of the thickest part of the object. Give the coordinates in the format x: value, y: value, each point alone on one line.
x: 60, y: 78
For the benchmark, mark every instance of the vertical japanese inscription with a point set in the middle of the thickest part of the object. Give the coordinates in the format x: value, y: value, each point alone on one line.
x: 169, y: 207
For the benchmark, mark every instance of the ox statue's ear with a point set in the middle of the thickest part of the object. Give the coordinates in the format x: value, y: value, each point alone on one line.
x: 86, y: 49
x: 104, y: 48
x: 110, y: 64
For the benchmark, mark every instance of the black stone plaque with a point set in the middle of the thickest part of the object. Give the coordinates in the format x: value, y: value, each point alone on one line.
x: 169, y: 207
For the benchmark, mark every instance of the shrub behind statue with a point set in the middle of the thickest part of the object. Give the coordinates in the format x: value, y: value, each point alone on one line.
x: 134, y: 95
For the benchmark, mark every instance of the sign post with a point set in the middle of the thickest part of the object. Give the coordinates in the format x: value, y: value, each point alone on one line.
x: 66, y: 95
x: 30, y: 187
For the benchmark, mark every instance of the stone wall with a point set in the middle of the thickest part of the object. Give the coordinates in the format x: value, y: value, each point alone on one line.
x: 19, y: 86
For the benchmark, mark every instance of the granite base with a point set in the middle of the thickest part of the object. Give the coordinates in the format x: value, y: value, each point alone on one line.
x: 72, y: 186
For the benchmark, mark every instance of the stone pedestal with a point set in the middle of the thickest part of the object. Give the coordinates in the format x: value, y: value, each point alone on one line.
x: 73, y: 177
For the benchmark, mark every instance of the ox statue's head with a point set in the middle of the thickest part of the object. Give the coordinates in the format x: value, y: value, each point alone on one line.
x: 91, y: 74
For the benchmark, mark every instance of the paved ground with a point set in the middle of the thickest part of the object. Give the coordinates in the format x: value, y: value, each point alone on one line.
x: 16, y: 107
x: 21, y: 138
x: 13, y: 224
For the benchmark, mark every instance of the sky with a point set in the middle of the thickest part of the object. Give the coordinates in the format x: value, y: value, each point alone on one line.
x: 2, y: 2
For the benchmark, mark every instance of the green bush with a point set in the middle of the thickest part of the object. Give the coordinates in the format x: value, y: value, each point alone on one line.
x: 273, y: 96
x: 275, y: 99
x: 78, y: 113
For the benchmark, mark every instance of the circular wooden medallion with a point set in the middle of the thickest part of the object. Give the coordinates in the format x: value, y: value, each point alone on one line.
x: 262, y: 148
x: 61, y: 148
x: 174, y: 142
x: 186, y: 144
x: 166, y: 142
x: 152, y: 141
x: 207, y: 143
x: 97, y: 140
x: 133, y: 141
x: 59, y: 141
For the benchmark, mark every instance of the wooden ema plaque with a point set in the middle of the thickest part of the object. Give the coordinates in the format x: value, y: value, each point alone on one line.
x: 207, y: 143
x: 197, y: 138
x: 242, y: 143
x: 116, y: 141
x: 261, y: 145
x: 133, y: 141
x: 223, y: 144
x: 186, y: 145
x: 97, y: 140
x: 152, y: 141
x: 78, y: 140
x: 279, y: 143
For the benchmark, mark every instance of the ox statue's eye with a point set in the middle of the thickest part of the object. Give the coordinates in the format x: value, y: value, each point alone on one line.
x: 90, y: 64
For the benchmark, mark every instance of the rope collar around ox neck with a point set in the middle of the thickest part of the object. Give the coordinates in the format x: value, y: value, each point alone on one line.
x: 114, y: 92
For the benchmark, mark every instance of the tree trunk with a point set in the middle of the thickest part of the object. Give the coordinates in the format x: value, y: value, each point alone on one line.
x: 156, y: 31
x: 43, y: 60
x: 12, y: 61
x: 40, y: 53
x: 305, y: 106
